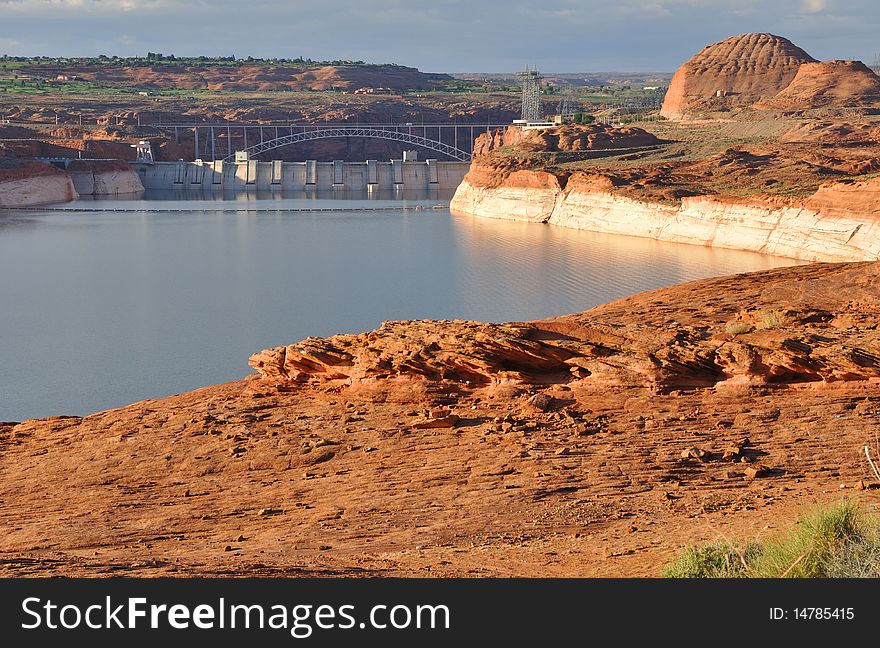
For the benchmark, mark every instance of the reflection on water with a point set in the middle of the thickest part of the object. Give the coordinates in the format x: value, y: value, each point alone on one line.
x: 277, y: 194
x: 510, y: 270
x: 103, y: 308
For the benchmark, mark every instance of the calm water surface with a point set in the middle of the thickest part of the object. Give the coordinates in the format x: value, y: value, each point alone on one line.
x: 99, y: 309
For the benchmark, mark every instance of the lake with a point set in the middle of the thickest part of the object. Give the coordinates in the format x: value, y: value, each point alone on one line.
x: 101, y: 308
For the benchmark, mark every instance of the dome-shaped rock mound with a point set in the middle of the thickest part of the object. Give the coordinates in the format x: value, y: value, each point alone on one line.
x: 829, y: 84
x: 735, y: 73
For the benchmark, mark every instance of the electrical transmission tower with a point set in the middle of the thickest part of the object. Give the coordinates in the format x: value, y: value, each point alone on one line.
x: 566, y: 101
x: 531, y: 94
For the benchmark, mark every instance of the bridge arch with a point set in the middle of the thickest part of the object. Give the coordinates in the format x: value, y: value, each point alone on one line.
x: 372, y: 132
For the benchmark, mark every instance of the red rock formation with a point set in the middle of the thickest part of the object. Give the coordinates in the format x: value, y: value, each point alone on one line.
x: 427, y: 350
x: 565, y: 139
x: 701, y: 202
x: 744, y: 69
x: 841, y: 84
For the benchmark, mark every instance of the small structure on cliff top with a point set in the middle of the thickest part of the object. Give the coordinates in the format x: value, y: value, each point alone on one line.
x: 143, y: 152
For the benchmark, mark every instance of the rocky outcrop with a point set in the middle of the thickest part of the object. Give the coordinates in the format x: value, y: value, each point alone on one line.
x: 104, y: 178
x: 427, y: 350
x: 501, y: 189
x: 796, y: 338
x: 789, y: 198
x: 29, y: 183
x: 569, y: 138
x: 734, y: 73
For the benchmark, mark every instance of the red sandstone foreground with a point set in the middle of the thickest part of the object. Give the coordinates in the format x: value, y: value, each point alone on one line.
x: 590, y: 444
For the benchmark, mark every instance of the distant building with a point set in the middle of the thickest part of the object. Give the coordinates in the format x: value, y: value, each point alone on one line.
x: 143, y: 152
x: 534, y: 125
x: 373, y: 91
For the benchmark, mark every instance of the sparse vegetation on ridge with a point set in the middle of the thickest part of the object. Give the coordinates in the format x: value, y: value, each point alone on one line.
x: 836, y: 541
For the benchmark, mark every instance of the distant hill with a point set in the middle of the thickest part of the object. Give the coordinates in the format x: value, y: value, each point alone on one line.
x: 243, y: 76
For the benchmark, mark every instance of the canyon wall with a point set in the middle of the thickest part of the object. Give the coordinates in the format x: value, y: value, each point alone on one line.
x: 525, y: 195
x: 837, y: 223
x: 104, y: 178
x: 28, y: 183
x: 33, y: 183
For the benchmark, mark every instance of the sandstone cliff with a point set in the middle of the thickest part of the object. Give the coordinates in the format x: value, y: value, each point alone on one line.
x: 835, y: 224
x: 104, y: 178
x: 33, y: 183
x: 790, y: 197
x: 27, y: 183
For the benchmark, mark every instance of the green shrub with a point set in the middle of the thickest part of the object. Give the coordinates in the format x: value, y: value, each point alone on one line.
x: 837, y: 541
x: 818, y: 536
x: 717, y: 560
x: 582, y: 118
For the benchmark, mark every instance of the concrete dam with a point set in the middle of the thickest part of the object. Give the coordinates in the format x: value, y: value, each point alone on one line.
x: 276, y: 175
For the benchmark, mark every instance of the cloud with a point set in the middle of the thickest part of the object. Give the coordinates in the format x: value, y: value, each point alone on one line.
x: 813, y: 6
x: 438, y: 35
x: 106, y: 7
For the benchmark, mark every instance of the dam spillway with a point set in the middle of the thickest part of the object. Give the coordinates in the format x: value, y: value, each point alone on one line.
x: 271, y: 175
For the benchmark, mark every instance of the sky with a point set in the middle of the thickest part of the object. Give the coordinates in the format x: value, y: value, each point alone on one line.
x: 438, y: 36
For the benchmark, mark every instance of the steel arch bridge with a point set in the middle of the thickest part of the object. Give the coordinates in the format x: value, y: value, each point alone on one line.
x: 373, y: 132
